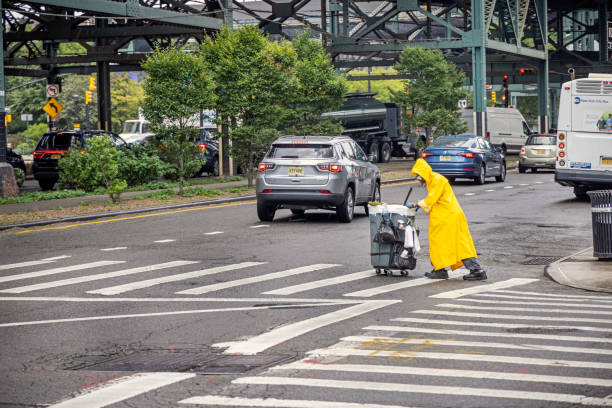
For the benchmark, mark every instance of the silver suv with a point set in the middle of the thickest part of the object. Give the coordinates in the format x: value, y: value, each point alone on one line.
x: 306, y: 172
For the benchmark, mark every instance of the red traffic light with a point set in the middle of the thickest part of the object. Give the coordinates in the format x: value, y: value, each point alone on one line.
x: 505, y: 76
x: 522, y: 70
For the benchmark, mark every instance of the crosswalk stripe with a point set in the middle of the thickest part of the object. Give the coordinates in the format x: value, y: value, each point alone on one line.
x: 381, y: 341
x: 512, y: 317
x: 114, y: 249
x: 425, y: 389
x: 255, y: 279
x: 115, y: 290
x: 32, y: 263
x: 504, y: 325
x: 512, y: 302
x: 54, y: 271
x: 213, y: 233
x: 289, y: 290
x: 88, y: 278
x: 495, y: 295
x: 123, y: 389
x: 526, y: 309
x: 274, y: 402
x: 482, y: 358
x: 453, y: 294
x: 281, y: 334
x: 442, y: 372
x: 553, y: 295
x: 553, y: 337
x: 401, y: 285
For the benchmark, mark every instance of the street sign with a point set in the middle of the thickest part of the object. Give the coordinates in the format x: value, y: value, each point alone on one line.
x: 462, y: 103
x: 488, y: 86
x: 53, y: 108
x: 27, y: 117
x: 52, y: 90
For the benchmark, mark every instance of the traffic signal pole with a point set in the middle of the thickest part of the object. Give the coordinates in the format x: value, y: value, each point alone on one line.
x: 479, y: 59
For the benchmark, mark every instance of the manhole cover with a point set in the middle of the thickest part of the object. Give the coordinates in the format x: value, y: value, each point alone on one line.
x: 541, y: 260
x: 148, y: 362
x: 542, y: 330
x: 240, y: 364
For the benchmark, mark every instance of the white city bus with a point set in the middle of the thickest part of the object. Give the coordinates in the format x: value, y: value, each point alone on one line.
x: 584, y: 138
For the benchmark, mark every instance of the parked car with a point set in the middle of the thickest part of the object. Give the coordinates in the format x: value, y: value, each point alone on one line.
x: 309, y: 172
x: 210, y: 151
x: 466, y: 156
x: 14, y: 159
x: 54, y: 144
x: 539, y: 152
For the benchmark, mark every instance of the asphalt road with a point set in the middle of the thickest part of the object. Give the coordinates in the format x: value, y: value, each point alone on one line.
x: 208, y: 306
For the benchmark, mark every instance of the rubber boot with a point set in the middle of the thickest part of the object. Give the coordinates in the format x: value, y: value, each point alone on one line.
x: 476, y: 275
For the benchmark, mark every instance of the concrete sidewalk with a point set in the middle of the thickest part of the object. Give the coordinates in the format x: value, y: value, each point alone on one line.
x: 582, y: 270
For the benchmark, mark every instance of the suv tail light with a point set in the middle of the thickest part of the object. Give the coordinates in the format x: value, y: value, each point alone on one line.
x: 38, y: 154
x: 426, y: 155
x: 331, y: 167
x: 468, y: 155
x: 265, y: 166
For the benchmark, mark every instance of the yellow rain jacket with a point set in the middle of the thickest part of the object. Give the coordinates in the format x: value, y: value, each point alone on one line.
x: 449, y: 237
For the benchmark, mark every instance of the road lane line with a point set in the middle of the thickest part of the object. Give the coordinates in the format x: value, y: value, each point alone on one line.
x: 596, y: 297
x: 539, y: 182
x: 123, y: 389
x: 259, y: 226
x: 113, y: 249
x: 281, y: 334
x: 481, y: 358
x: 377, y: 340
x: 289, y: 290
x: 54, y: 271
x: 32, y: 263
x: 255, y: 279
x: 489, y: 191
x: 469, y: 194
x: 525, y: 309
x: 89, y: 278
x: 213, y: 233
x: 115, y: 290
x: 512, y: 302
x: 402, y: 285
x: 495, y: 295
x: 443, y: 372
x: 163, y: 241
x: 279, y: 403
x: 453, y: 294
x: 523, y: 184
x: 424, y: 389
x: 180, y: 299
x: 508, y: 187
x: 501, y: 325
x: 447, y: 332
x: 512, y: 317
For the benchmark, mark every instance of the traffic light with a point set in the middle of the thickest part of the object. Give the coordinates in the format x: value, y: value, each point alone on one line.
x: 531, y: 71
x: 506, y: 95
x: 87, y: 97
x: 92, y: 83
x: 494, y: 96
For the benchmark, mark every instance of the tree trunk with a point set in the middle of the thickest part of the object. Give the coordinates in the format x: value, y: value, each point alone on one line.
x: 181, y: 169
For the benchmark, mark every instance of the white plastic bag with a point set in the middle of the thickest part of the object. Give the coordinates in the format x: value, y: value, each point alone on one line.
x: 411, y: 239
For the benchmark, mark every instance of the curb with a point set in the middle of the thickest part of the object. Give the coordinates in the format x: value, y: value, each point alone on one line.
x: 555, y: 273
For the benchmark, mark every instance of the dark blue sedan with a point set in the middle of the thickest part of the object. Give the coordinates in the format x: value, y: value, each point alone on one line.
x: 466, y: 156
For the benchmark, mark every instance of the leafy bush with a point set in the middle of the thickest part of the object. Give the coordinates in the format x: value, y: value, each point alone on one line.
x: 79, y: 170
x: 19, y: 176
x: 162, y: 194
x: 137, y: 166
x: 42, y: 195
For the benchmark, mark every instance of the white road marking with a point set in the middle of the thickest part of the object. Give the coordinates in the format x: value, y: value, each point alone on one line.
x: 495, y: 295
x: 320, y: 283
x: 113, y: 249
x: 162, y: 241
x: 274, y: 402
x: 482, y: 358
x: 123, y: 389
x: 181, y: 299
x: 469, y: 194
x: 564, y: 319
x: 255, y: 279
x: 32, y: 263
x: 539, y: 182
x: 489, y: 191
x: 525, y: 309
x: 508, y: 187
x: 402, y: 285
x: 502, y: 325
x: 281, y: 334
x: 443, y: 372
x: 54, y: 271
x: 89, y: 278
x: 362, y: 341
x: 447, y: 332
x: 213, y: 233
x: 147, y: 315
x: 512, y: 302
x: 453, y: 294
x: 596, y: 297
x: 115, y: 290
x: 426, y: 389
x: 259, y: 226
x: 523, y: 184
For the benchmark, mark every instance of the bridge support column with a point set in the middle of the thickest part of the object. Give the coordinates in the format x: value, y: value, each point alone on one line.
x: 479, y: 60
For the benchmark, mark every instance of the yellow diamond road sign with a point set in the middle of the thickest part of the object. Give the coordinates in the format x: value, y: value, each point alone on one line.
x: 53, y: 107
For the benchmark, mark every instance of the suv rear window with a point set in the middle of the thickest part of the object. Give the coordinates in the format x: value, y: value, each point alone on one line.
x: 56, y: 141
x: 306, y: 151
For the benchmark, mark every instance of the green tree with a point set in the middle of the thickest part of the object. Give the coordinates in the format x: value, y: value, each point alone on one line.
x: 431, y: 95
x: 127, y: 96
x: 319, y: 89
x: 382, y: 88
x: 254, y: 79
x: 177, y: 89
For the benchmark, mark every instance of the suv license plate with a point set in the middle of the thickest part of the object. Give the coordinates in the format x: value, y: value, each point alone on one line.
x: 445, y: 158
x: 56, y: 156
x: 541, y: 151
x: 296, y: 171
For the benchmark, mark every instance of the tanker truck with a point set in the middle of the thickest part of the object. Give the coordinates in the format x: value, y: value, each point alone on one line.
x: 375, y: 126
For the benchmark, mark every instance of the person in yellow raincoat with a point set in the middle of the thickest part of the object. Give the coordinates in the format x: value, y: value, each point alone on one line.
x: 450, y: 242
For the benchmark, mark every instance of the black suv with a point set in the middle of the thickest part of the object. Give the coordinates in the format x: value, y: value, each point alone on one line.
x: 51, y: 147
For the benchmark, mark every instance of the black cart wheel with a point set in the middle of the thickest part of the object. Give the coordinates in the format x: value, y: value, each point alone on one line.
x: 378, y: 271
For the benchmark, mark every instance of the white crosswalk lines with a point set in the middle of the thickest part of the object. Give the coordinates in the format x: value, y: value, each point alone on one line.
x: 115, y: 290
x: 55, y: 271
x: 483, y: 288
x: 577, y: 300
x: 32, y: 263
x: 275, y: 402
x: 554, y: 295
x: 289, y: 290
x: 525, y: 309
x: 402, y: 285
x: 512, y: 317
x: 89, y: 278
x: 550, y: 303
x: 239, y: 282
